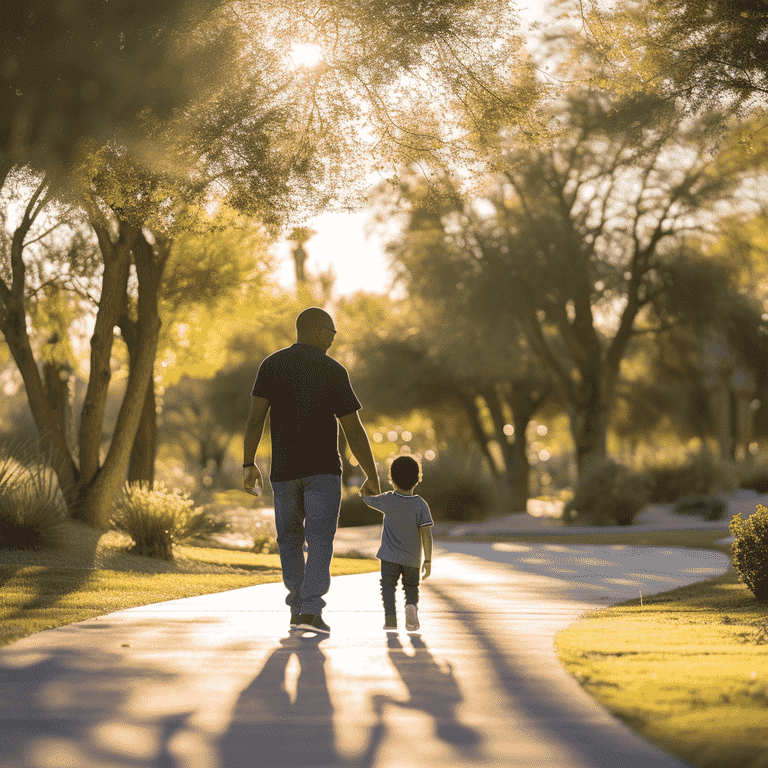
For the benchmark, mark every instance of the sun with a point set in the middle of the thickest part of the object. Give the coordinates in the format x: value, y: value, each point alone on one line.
x: 306, y: 54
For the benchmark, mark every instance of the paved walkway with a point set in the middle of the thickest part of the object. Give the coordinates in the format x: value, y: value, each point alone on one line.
x: 217, y: 682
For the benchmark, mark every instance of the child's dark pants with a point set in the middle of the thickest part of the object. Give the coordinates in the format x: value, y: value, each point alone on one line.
x: 390, y: 575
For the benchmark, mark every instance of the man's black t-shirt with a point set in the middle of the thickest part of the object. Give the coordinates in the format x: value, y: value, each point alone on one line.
x: 306, y: 390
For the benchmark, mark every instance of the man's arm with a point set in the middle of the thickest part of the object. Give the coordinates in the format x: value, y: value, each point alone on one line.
x: 357, y: 439
x: 254, y: 428
x: 426, y: 543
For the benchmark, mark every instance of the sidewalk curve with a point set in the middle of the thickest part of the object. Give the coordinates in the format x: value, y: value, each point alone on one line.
x: 217, y: 681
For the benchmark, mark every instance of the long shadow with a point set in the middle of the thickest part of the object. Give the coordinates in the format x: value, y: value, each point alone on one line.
x: 592, y: 744
x: 72, y: 707
x: 611, y: 575
x: 435, y: 691
x: 52, y: 582
x: 48, y: 586
x: 269, y: 729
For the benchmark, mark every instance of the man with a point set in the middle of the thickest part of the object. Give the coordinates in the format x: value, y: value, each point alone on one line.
x: 307, y: 392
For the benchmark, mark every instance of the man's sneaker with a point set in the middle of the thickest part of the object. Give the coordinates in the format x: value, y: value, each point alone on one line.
x: 390, y: 621
x: 411, y: 617
x: 313, y: 623
x: 295, y: 617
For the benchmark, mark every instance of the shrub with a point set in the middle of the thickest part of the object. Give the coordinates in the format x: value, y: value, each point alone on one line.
x: 202, y: 523
x: 750, y: 551
x: 701, y: 474
x: 457, y: 489
x: 608, y: 494
x: 355, y: 512
x: 709, y: 507
x: 157, y: 519
x: 32, y: 507
x: 264, y: 541
x: 756, y: 480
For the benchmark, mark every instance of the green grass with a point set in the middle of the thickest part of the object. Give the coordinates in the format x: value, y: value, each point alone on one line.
x: 687, y: 669
x: 34, y: 598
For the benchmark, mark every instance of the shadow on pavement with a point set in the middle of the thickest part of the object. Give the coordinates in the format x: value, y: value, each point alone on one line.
x: 616, y: 572
x: 434, y: 691
x: 269, y: 728
x: 541, y: 706
x: 76, y: 712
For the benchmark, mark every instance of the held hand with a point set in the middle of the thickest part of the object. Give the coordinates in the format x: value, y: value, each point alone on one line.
x: 370, y: 487
x: 426, y: 569
x: 252, y: 481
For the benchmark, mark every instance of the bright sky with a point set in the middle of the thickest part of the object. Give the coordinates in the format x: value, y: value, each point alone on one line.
x: 358, y: 262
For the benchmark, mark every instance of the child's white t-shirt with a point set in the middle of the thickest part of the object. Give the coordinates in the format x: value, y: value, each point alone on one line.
x: 403, y: 517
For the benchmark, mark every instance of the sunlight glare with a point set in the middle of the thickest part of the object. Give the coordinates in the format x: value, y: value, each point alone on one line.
x: 306, y: 54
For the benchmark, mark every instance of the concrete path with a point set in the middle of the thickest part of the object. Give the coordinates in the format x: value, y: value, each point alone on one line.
x: 217, y: 681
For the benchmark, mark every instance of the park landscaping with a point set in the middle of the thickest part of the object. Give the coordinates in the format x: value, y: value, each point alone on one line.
x: 685, y: 669
x: 35, y: 598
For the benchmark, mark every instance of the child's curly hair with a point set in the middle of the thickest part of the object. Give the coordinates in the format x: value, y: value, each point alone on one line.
x: 405, y: 472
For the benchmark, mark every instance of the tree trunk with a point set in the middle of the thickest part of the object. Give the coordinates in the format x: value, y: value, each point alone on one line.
x: 13, y: 327
x: 589, y: 423
x: 117, y: 257
x: 141, y: 467
x: 467, y: 398
x: 97, y: 502
x: 13, y: 324
x: 525, y: 400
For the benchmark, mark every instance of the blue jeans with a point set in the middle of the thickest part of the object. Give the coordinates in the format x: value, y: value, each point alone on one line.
x: 307, y: 509
x: 390, y: 575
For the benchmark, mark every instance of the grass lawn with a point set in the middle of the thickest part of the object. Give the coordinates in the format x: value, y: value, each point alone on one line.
x: 34, y: 598
x: 687, y: 669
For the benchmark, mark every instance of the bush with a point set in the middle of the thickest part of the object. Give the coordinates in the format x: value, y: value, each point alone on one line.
x: 709, y: 507
x: 32, y: 507
x: 157, y: 519
x: 750, y: 551
x: 608, y: 494
x: 355, y: 512
x: 457, y: 490
x: 701, y: 475
x: 756, y: 480
x: 264, y: 541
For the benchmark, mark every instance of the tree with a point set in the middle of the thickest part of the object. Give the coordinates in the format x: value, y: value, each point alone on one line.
x: 82, y: 71
x: 703, y: 52
x: 131, y: 292
x: 582, y: 241
x: 701, y: 375
x: 445, y: 354
x: 247, y: 128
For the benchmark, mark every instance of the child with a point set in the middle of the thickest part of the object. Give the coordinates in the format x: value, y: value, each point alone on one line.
x: 405, y: 532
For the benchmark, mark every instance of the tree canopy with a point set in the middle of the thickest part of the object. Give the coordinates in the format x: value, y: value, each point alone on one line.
x: 705, y: 51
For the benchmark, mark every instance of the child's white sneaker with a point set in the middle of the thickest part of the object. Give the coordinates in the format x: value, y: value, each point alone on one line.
x: 411, y: 618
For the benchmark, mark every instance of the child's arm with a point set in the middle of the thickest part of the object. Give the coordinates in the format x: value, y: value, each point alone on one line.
x: 374, y: 502
x: 426, y: 543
